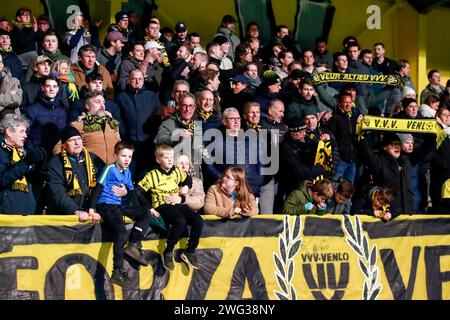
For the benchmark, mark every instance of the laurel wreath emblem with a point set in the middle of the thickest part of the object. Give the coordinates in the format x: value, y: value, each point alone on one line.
x: 367, y: 258
x: 289, y: 244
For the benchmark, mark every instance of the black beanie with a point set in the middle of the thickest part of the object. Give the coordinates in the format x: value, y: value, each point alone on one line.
x: 69, y: 132
x: 407, y: 101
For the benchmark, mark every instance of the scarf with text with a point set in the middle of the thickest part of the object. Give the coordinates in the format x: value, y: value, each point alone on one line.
x: 93, y: 123
x: 71, y: 179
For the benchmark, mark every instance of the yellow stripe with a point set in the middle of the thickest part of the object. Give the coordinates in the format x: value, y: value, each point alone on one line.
x: 105, y: 173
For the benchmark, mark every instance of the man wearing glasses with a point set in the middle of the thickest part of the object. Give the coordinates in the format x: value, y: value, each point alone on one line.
x: 236, y: 149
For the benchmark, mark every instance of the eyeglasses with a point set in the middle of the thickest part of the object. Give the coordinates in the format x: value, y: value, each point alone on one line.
x: 234, y: 119
x: 74, y: 139
x: 189, y: 106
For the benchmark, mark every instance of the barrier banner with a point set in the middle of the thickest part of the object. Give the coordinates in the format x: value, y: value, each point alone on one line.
x: 265, y: 257
x: 402, y: 125
x: 322, y: 77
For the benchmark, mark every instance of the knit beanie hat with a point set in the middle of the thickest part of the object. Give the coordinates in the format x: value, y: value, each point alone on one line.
x: 408, y: 91
x: 69, y: 132
x: 405, y: 137
x: 407, y: 101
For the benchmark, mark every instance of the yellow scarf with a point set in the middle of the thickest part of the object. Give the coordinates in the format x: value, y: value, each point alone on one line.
x: 384, y: 208
x: 204, y: 115
x: 186, y: 125
x: 256, y: 127
x: 348, y: 114
x: 71, y: 179
x: 18, y: 154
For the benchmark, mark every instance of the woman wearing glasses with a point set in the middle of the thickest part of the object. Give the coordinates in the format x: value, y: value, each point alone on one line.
x: 230, y: 196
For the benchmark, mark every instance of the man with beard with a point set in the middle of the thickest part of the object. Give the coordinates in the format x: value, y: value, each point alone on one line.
x: 307, y: 99
x: 99, y: 130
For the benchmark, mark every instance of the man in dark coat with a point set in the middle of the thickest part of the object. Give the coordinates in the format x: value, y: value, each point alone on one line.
x: 137, y: 108
x: 72, y: 177
x: 16, y: 163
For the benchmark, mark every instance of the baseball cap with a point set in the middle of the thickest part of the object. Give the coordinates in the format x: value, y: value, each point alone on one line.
x: 153, y: 44
x: 116, y: 35
x: 180, y: 27
x: 240, y: 78
x: 228, y: 18
x: 121, y: 15
x: 41, y: 59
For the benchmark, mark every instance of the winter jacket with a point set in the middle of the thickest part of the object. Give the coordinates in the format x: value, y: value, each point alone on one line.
x: 263, y: 97
x: 100, y: 142
x: 12, y: 61
x: 245, y: 155
x: 426, y: 111
x: 296, y: 108
x: 136, y: 109
x: 79, y: 73
x: 219, y: 203
x: 9, y: 103
x: 47, y: 120
x: 14, y: 201
x: 77, y: 108
x: 76, y: 39
x: 23, y: 39
x: 213, y: 122
x: 394, y: 173
x: 343, y: 128
x: 59, y: 201
x: 195, y: 199
x: 32, y: 89
x: 296, y: 164
x: 295, y: 202
x: 430, y: 91
x: 232, y: 38
x: 152, y: 77
x: 111, y: 63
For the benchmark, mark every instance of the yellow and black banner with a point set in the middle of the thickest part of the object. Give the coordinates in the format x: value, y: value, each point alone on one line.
x: 265, y: 257
x: 402, y: 125
x: 393, y: 80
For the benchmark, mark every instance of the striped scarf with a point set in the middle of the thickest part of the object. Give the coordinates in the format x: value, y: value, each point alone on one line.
x: 204, y: 115
x: 93, y: 123
x: 71, y: 179
x: 71, y: 86
x: 17, y: 154
x: 189, y: 125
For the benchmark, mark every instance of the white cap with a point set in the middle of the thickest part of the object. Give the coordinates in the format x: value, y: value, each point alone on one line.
x: 153, y: 44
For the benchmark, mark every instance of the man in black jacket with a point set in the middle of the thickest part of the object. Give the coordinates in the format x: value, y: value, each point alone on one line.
x: 72, y: 177
x: 343, y: 126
